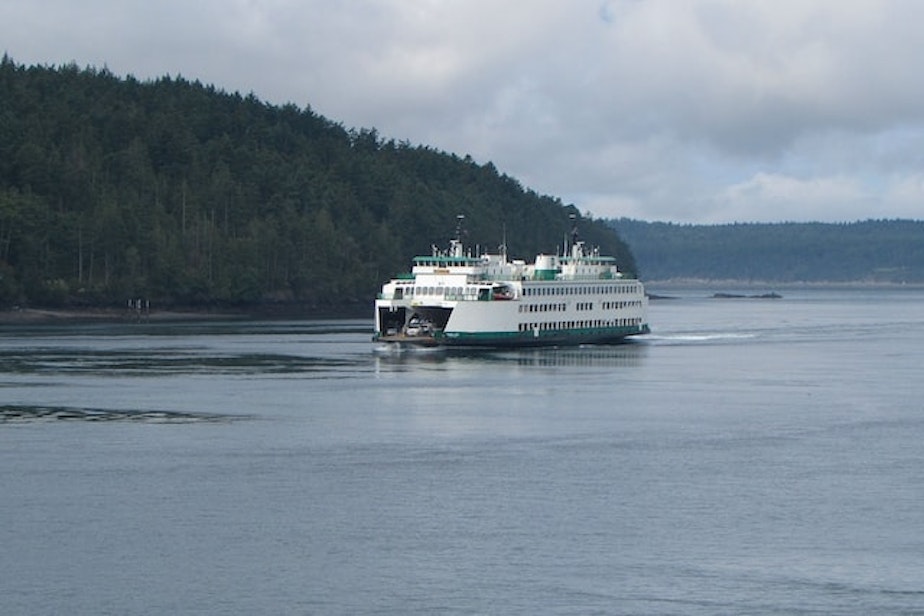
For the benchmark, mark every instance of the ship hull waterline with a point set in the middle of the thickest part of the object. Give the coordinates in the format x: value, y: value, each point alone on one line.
x: 557, y: 338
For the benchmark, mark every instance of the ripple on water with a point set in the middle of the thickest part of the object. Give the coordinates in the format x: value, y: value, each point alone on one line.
x: 30, y: 414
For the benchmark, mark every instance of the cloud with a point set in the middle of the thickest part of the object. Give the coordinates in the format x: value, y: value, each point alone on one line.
x: 794, y: 199
x: 907, y: 192
x: 697, y: 110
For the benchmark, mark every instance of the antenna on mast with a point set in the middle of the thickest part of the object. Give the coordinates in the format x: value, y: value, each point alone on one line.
x: 573, y: 235
x: 459, y: 220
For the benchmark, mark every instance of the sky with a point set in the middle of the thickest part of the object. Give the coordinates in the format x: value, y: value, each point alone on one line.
x: 688, y: 111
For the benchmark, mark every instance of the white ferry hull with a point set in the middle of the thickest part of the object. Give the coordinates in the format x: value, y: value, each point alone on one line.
x: 510, y: 324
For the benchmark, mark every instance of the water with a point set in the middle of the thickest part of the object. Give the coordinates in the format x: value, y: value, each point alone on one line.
x: 749, y: 457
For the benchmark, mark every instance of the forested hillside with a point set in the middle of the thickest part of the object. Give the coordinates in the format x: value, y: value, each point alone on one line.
x: 868, y: 251
x: 180, y: 193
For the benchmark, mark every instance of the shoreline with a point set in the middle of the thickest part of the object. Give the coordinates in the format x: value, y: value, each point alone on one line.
x: 43, y: 316
x: 101, y: 315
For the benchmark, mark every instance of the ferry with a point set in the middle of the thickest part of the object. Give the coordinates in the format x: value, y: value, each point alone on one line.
x: 452, y: 298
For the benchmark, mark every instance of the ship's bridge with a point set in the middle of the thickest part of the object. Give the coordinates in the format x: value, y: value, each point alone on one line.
x: 441, y: 264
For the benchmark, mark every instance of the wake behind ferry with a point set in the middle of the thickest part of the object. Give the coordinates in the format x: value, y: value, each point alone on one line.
x: 452, y: 298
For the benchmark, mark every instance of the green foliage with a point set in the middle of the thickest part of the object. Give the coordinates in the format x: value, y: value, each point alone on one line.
x: 177, y: 192
x: 867, y: 251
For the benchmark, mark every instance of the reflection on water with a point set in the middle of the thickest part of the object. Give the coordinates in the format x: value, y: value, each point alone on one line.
x: 623, y: 355
x: 599, y: 356
x: 28, y: 414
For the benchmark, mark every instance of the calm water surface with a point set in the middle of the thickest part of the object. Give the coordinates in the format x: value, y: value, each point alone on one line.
x: 749, y: 457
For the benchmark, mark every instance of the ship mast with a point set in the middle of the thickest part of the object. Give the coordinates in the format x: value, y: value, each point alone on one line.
x: 455, y: 244
x: 571, y: 240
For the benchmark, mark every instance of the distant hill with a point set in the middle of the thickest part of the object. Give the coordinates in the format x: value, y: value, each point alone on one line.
x: 170, y: 190
x: 867, y: 251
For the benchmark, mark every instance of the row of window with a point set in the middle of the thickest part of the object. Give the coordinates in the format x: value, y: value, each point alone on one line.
x: 471, y: 292
x: 620, y: 305
x: 447, y: 292
x: 588, y: 324
x: 606, y: 289
x: 543, y: 307
x: 561, y: 307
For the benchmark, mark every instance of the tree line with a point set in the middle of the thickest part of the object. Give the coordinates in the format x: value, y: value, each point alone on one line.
x: 173, y: 190
x: 863, y: 251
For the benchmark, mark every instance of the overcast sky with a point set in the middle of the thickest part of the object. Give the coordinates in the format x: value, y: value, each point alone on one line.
x: 675, y: 110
